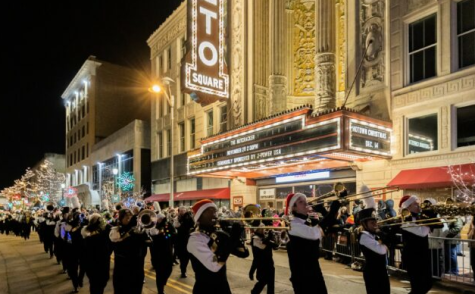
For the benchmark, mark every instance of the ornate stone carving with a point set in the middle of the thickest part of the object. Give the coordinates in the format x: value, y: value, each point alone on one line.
x: 341, y: 43
x: 325, y: 70
x: 304, y: 47
x: 237, y: 61
x: 278, y: 94
x: 325, y: 56
x: 261, y: 102
x: 372, y: 14
x: 424, y: 94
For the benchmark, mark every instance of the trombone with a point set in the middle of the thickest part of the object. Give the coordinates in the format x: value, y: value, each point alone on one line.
x: 400, y: 220
x: 252, y: 214
x: 339, y: 190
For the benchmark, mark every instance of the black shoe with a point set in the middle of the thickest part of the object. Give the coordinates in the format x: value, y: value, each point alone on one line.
x: 183, y: 275
x: 175, y: 262
x: 80, y: 284
x: 461, y: 254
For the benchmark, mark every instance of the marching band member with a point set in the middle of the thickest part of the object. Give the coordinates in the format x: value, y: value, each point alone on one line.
x: 97, y: 251
x: 416, y: 255
x: 262, y: 246
x: 129, y: 247
x: 374, y: 273
x: 162, y: 236
x: 209, y: 249
x: 303, y: 247
x: 184, y: 223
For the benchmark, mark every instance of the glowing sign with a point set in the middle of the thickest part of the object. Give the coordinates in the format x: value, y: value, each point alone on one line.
x: 71, y: 192
x: 303, y: 177
x: 206, y: 74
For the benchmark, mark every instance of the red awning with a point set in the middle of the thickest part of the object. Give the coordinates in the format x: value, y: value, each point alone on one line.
x: 221, y: 193
x: 433, y: 177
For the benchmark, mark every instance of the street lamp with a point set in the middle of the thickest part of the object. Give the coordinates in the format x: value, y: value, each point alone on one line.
x: 171, y: 101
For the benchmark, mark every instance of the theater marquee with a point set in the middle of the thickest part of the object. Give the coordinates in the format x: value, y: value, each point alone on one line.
x: 205, y: 67
x: 293, y: 138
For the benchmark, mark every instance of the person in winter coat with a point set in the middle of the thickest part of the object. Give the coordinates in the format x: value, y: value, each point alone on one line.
x: 97, y: 251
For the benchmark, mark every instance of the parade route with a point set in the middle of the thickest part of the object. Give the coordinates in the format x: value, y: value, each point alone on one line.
x: 26, y: 268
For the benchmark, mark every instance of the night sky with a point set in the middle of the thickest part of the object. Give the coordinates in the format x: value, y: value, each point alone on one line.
x: 44, y: 45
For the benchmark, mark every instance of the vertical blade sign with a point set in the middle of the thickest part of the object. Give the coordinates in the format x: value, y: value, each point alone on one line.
x: 206, y: 73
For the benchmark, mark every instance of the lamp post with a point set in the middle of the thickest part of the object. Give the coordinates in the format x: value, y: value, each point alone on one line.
x: 171, y: 101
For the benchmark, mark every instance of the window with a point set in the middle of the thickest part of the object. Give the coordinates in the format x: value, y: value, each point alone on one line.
x: 71, y: 141
x: 169, y: 143
x: 70, y: 159
x: 181, y: 128
x: 465, y: 117
x: 306, y: 189
x: 160, y: 145
x: 192, y: 133
x: 83, y: 110
x: 422, y: 134
x: 223, y: 122
x: 422, y: 48
x: 282, y: 192
x: 169, y: 51
x: 466, y: 32
x: 87, y: 150
x: 74, y: 156
x: 83, y: 152
x: 209, y: 123
x: 87, y: 128
x: 83, y: 131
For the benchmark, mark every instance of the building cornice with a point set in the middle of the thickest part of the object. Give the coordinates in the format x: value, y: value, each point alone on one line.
x: 87, y: 68
x: 174, y: 25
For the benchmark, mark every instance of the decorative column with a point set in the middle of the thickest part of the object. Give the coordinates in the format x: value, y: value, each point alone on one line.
x: 277, y: 78
x: 325, y: 54
x: 237, y: 58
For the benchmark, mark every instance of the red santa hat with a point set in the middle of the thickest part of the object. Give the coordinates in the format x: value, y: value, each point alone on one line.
x: 290, y: 201
x: 407, y: 200
x: 200, y: 206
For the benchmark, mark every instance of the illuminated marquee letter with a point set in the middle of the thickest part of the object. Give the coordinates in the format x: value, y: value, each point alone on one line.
x: 205, y: 67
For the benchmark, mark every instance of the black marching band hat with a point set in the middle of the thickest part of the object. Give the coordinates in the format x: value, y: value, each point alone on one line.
x: 365, y: 214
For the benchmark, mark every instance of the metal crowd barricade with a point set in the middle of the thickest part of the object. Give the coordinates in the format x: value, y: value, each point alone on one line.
x: 451, y: 259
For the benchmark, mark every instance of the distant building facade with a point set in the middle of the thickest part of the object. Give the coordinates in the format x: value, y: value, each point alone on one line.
x: 100, y: 100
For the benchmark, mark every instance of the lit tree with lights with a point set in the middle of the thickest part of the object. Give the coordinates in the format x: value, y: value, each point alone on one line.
x: 49, y: 180
x: 463, y: 180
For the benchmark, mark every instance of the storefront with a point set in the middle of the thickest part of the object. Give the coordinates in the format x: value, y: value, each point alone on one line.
x: 294, y: 151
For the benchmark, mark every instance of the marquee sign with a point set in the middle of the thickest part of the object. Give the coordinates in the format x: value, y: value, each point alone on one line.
x: 292, y: 138
x: 370, y: 138
x: 205, y: 69
x: 286, y: 139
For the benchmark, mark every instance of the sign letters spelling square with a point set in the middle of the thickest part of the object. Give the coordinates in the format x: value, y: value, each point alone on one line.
x: 206, y: 72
